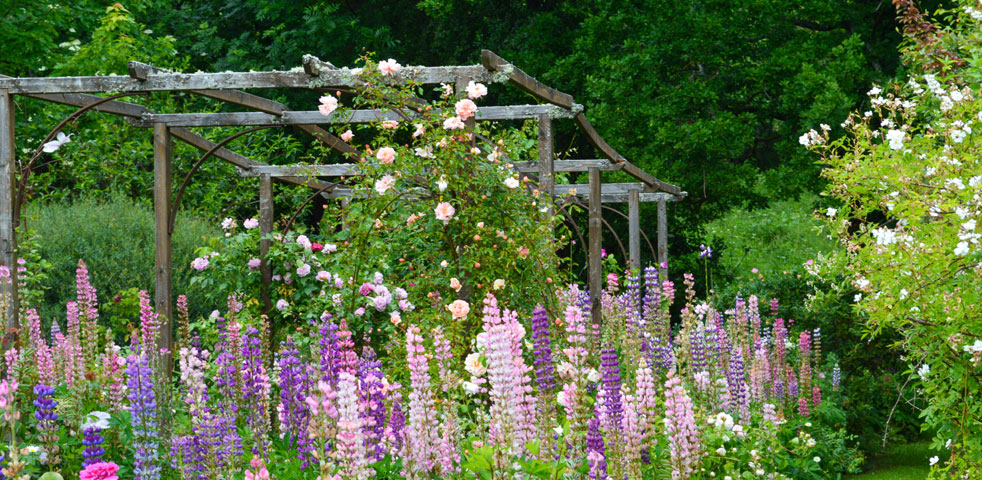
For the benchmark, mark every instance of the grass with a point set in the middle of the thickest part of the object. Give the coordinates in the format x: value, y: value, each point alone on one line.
x: 899, y: 462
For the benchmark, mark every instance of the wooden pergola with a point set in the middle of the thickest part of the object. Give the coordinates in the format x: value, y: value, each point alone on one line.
x: 319, y: 75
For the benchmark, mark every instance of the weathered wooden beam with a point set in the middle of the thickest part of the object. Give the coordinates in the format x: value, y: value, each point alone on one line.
x: 493, y: 63
x: 135, y: 111
x: 266, y: 219
x: 618, y: 198
x: 163, y: 270
x: 313, y: 117
x: 662, y: 241
x: 570, y: 166
x: 634, y: 227
x: 141, y: 70
x: 423, y: 75
x: 585, y: 189
x: 595, y: 268
x: 162, y: 82
x: 332, y: 170
x: 8, y: 240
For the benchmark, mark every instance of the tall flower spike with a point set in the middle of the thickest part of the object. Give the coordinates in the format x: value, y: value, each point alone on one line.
x: 595, y: 456
x: 352, y: 458
x: 422, y: 447
x: 372, y: 392
x: 92, y: 440
x: 293, y: 412
x: 143, y: 417
x: 544, y: 369
x: 680, y: 427
x: 255, y: 391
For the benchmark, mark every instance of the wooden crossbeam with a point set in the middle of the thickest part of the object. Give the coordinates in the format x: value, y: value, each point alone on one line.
x: 327, y: 72
x: 351, y: 169
x: 325, y: 78
x: 140, y: 71
x: 579, y: 165
x: 314, y: 117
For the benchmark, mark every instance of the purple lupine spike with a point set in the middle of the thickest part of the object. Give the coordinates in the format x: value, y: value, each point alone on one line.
x: 613, y: 407
x: 143, y: 417
x: 372, y: 393
x: 737, y: 385
x: 255, y: 390
x: 397, y: 423
x: 330, y: 353
x: 228, y: 367
x: 652, y: 294
x: 544, y: 368
x: 699, y: 350
x: 188, y: 454
x: 595, y: 449
x: 293, y: 411
x: 92, y: 440
x: 836, y: 377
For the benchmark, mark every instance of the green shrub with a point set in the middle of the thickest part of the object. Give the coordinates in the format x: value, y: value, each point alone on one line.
x: 115, y: 238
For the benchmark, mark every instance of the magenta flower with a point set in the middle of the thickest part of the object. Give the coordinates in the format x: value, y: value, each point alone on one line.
x: 100, y: 471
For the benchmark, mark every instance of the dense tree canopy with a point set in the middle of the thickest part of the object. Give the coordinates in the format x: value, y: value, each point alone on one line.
x: 711, y: 95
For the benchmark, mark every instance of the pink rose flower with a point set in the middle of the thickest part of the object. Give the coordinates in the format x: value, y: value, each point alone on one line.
x: 100, y: 471
x: 323, y: 276
x: 199, y: 264
x: 316, y: 247
x: 465, y: 108
x: 383, y: 184
x: 455, y: 284
x: 453, y: 123
x: 444, y: 211
x: 389, y: 67
x: 476, y: 90
x: 523, y: 251
x: 459, y: 308
x: 254, y: 263
x: 250, y: 223
x: 390, y: 124
x: 303, y: 270
x: 347, y: 135
x: 304, y: 242
x: 366, y: 289
x: 386, y: 155
x: 328, y: 105
x: 282, y: 304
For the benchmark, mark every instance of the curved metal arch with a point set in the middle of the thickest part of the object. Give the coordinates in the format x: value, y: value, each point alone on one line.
x: 187, y: 179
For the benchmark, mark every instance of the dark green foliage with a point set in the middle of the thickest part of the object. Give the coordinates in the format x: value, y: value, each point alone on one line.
x: 115, y: 239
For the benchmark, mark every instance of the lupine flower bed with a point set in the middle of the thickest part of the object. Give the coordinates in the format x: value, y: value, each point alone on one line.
x: 722, y: 394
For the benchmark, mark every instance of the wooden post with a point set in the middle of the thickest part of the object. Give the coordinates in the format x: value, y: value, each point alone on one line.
x: 662, y: 241
x: 546, y: 173
x: 634, y: 227
x: 265, y: 228
x: 596, y: 232
x: 163, y: 270
x: 8, y: 241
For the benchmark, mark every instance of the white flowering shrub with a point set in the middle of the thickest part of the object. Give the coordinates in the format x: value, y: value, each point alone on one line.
x: 908, y: 174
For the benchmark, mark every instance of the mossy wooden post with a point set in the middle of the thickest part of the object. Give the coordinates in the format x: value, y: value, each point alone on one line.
x: 662, y: 241
x: 546, y: 173
x: 163, y: 270
x: 265, y: 228
x: 634, y: 227
x: 596, y: 231
x: 8, y: 242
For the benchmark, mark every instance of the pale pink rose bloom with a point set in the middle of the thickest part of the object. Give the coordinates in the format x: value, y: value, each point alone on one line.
x: 250, y: 223
x: 455, y: 284
x: 282, y: 304
x: 386, y: 155
x: 304, y: 242
x: 390, y: 124
x: 303, y: 270
x: 453, y: 123
x: 465, y: 108
x: 420, y: 129
x: 389, y: 67
x: 254, y: 263
x: 199, y: 264
x: 476, y: 90
x: 328, y: 105
x: 347, y: 135
x: 459, y: 308
x: 383, y: 184
x: 323, y: 276
x: 444, y: 211
x: 523, y: 251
